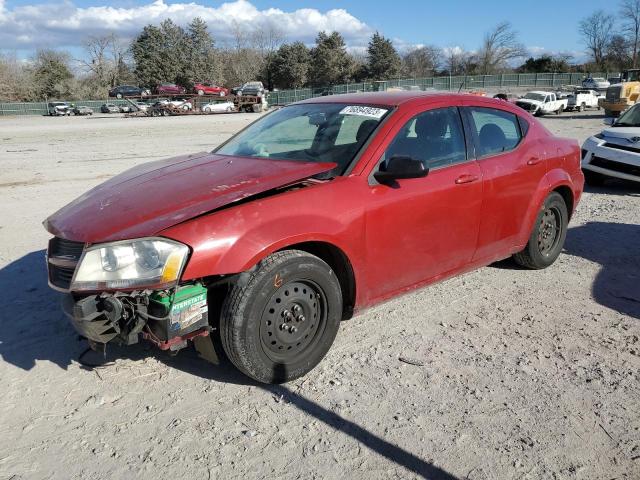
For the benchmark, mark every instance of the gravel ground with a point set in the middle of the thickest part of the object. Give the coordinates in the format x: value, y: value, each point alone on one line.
x: 499, y: 374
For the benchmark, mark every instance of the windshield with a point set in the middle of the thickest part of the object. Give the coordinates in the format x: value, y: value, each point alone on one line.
x: 631, y: 118
x: 535, y: 96
x: 331, y: 132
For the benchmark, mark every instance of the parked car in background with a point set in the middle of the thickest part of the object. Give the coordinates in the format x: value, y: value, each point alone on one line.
x: 541, y: 103
x: 507, y: 97
x: 109, y: 108
x: 129, y: 91
x: 207, y: 88
x: 615, y: 151
x: 170, y: 89
x: 582, y: 99
x: 218, y: 107
x: 142, y: 106
x: 252, y: 88
x: 183, y: 104
x: 82, y: 110
x: 597, y: 83
x: 315, y: 211
x: 56, y: 109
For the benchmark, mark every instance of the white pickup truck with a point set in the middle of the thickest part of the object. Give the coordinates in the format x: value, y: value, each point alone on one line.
x: 541, y: 103
x: 582, y: 99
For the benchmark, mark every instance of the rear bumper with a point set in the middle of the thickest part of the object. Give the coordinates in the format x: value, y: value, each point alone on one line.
x: 612, y: 162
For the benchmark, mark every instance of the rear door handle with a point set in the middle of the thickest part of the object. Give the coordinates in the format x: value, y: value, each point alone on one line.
x: 466, y: 179
x: 534, y: 161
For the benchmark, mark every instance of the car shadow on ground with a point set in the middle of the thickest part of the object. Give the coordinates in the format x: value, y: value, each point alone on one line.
x: 614, y: 246
x: 33, y: 328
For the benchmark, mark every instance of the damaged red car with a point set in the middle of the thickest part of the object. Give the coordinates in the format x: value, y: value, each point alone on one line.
x: 312, y: 213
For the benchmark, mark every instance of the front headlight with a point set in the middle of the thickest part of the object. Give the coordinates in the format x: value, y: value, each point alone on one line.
x: 142, y: 263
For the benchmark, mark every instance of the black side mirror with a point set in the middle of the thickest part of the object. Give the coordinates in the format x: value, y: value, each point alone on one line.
x: 400, y: 167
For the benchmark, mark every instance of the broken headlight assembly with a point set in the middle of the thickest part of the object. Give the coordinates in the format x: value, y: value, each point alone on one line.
x: 131, y: 264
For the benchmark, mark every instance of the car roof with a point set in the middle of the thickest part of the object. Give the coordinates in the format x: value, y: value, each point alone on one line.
x: 389, y: 99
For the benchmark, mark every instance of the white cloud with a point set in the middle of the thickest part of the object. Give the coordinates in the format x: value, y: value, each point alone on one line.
x: 63, y: 24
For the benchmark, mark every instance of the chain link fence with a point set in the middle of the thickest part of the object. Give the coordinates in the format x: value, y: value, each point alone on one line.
x: 284, y: 97
x: 464, y: 82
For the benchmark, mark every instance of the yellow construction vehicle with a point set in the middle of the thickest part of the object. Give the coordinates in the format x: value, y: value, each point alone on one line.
x: 621, y: 96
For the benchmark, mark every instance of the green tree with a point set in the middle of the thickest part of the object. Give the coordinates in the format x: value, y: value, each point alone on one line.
x: 383, y: 61
x: 203, y: 62
x: 161, y: 54
x: 51, y: 74
x: 290, y: 65
x: 546, y: 64
x: 330, y: 62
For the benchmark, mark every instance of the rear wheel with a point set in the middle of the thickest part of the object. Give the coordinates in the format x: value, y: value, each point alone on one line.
x: 548, y: 236
x: 593, y: 179
x: 281, y: 318
x: 559, y: 111
x: 118, y: 95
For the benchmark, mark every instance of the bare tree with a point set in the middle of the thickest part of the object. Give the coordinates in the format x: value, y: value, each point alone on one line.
x: 459, y: 62
x: 597, y: 30
x: 499, y: 47
x: 421, y: 62
x: 106, y: 60
x: 630, y: 14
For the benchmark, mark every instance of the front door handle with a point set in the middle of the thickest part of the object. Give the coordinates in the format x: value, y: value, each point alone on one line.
x: 467, y: 178
x: 534, y: 161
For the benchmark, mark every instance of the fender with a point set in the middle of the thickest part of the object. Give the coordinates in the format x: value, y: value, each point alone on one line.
x: 235, y: 239
x: 552, y: 180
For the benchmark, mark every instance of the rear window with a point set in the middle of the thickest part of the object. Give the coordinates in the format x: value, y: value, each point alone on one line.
x: 497, y: 131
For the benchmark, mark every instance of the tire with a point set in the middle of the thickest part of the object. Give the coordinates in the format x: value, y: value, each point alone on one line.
x: 206, y: 110
x: 222, y: 94
x: 548, y: 236
x: 559, y: 111
x: 200, y: 92
x: 581, y: 108
x: 118, y: 95
x: 593, y: 179
x: 280, y: 319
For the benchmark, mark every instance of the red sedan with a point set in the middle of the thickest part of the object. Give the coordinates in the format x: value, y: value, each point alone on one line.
x: 312, y: 213
x: 204, y: 88
x: 170, y: 89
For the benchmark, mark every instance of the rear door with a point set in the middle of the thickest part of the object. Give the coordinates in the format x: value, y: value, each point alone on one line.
x: 421, y: 228
x: 512, y: 167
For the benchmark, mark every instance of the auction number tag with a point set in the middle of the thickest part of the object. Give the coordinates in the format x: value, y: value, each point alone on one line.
x: 363, y: 111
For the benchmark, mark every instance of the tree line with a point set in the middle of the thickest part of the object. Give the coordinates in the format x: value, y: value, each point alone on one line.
x: 613, y: 39
x: 171, y: 53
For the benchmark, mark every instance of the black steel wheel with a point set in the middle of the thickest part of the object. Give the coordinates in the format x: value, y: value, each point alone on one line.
x: 549, y: 230
x: 293, y: 319
x: 548, y: 235
x: 280, y: 318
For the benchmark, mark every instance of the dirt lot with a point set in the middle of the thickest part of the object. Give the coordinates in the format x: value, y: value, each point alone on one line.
x: 513, y: 374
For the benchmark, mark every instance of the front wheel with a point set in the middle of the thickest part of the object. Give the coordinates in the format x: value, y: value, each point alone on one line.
x: 223, y: 93
x: 548, y: 236
x: 280, y: 319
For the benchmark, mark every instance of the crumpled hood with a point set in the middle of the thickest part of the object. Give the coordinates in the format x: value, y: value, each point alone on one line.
x: 151, y: 197
x: 622, y: 132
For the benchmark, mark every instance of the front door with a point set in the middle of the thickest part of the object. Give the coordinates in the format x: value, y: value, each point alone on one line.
x: 419, y: 229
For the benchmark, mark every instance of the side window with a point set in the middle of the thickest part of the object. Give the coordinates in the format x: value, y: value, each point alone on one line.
x: 435, y: 137
x: 497, y: 131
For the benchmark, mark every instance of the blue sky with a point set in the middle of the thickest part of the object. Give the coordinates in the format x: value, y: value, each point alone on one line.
x: 543, y: 26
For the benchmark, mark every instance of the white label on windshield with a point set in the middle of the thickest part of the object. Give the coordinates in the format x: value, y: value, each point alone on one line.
x: 363, y: 111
